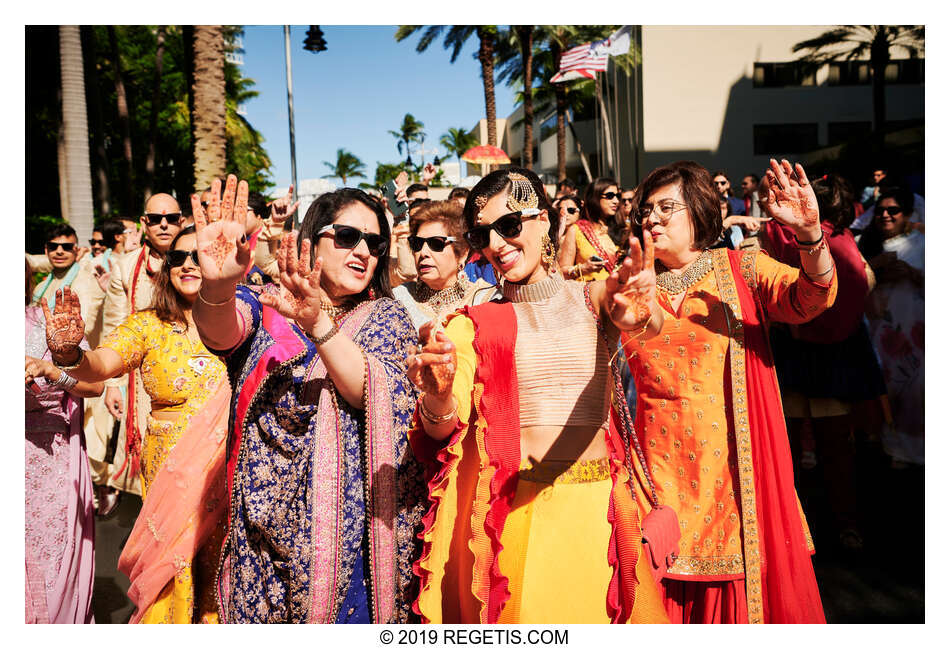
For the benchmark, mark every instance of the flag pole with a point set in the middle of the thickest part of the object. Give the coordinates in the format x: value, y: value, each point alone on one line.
x: 290, y: 115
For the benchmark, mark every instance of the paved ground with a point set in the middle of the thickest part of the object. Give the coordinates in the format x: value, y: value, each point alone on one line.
x: 884, y: 583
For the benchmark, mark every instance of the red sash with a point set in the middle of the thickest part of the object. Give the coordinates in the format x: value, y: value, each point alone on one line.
x: 587, y: 229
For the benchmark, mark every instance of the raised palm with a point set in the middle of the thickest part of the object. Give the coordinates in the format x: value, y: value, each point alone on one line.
x: 631, y: 288
x: 284, y: 207
x: 64, y: 326
x: 300, y: 295
x: 788, y: 197
x: 223, y: 251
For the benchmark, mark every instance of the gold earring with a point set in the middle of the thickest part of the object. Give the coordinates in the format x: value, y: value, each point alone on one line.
x: 548, y: 258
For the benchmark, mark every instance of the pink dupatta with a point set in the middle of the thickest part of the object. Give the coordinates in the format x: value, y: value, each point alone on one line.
x: 185, y: 504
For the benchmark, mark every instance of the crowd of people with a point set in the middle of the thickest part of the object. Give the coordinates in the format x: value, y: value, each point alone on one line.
x: 503, y: 407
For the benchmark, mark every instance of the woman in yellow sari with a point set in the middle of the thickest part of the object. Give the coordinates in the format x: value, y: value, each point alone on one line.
x: 587, y: 252
x: 171, y: 555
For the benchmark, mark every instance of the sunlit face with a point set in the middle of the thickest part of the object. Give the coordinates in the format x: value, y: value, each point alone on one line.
x: 95, y: 244
x: 59, y: 257
x: 722, y: 185
x: 749, y: 185
x: 518, y: 259
x: 569, y: 212
x: 347, y: 271
x: 161, y: 235
x: 889, y: 220
x: 186, y: 279
x: 676, y: 236
x: 437, y: 269
x: 130, y: 235
x: 609, y: 206
x: 626, y: 203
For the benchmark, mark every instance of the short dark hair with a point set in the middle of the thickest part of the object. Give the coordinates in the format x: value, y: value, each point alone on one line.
x: 257, y: 203
x: 699, y: 192
x: 458, y: 192
x: 449, y: 214
x: 111, y: 229
x: 323, y: 212
x: 753, y: 177
x: 416, y: 187
x: 835, y: 201
x: 591, y: 210
x: 497, y: 182
x: 61, y: 230
x: 567, y: 183
x: 901, y: 195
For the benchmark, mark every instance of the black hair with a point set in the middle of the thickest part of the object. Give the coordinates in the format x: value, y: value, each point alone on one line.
x: 497, y: 182
x: 257, y: 203
x: 167, y: 303
x: 416, y: 187
x: 835, y: 201
x: 61, y: 230
x: 458, y: 192
x: 591, y: 209
x: 323, y: 212
x: 566, y: 183
x: 417, y: 202
x: 110, y: 230
x: 901, y: 195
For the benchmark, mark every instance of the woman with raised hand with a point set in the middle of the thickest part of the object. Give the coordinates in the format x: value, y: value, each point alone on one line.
x: 708, y: 404
x: 324, y: 493
x: 588, y: 252
x: 439, y: 251
x: 535, y: 517
x: 171, y: 555
x: 59, y: 525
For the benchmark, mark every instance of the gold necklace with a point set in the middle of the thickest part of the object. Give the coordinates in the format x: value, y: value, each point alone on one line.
x: 438, y: 300
x: 338, y: 313
x: 671, y: 283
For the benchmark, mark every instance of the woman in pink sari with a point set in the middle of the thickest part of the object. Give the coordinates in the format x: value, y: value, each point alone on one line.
x: 172, y: 554
x: 59, y: 522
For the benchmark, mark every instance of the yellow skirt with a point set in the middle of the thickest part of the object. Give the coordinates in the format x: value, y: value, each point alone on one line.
x: 189, y: 597
x: 555, y: 544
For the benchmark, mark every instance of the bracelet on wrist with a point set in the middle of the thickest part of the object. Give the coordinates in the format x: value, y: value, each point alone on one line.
x: 334, y: 330
x: 65, y: 381
x: 808, y: 244
x: 227, y: 301
x: 74, y: 365
x: 436, y: 419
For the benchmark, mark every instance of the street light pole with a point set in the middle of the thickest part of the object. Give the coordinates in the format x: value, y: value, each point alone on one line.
x: 290, y: 114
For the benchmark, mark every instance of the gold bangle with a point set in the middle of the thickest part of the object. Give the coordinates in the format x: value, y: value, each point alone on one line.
x: 227, y: 301
x: 436, y: 419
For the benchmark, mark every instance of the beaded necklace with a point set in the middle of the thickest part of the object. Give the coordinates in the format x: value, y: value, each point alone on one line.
x: 439, y: 300
x: 671, y: 283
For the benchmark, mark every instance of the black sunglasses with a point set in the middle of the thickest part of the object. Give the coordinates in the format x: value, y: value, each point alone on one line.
x: 626, y: 200
x: 96, y: 242
x: 890, y: 210
x: 507, y: 226
x: 346, y: 236
x: 436, y: 244
x: 51, y: 246
x: 177, y: 258
x: 610, y: 195
x: 571, y: 210
x: 155, y: 219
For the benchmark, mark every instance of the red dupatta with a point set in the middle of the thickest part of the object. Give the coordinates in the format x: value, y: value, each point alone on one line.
x: 783, y: 579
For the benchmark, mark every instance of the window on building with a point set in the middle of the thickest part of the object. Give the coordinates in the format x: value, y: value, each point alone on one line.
x: 782, y: 75
x: 841, y: 132
x: 548, y: 127
x: 771, y: 139
x: 858, y: 73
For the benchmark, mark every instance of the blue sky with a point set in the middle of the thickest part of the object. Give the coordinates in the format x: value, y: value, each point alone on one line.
x: 357, y: 90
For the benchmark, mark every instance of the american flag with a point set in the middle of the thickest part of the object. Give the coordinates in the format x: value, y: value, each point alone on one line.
x: 581, y: 62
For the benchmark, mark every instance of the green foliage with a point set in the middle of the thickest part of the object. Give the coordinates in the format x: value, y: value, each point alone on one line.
x: 409, y: 131
x: 137, y: 45
x: 457, y: 141
x: 346, y: 166
x: 386, y: 172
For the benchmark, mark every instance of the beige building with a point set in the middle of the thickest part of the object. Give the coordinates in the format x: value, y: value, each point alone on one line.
x: 729, y: 98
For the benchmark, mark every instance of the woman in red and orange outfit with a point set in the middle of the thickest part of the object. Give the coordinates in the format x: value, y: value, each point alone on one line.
x: 708, y: 405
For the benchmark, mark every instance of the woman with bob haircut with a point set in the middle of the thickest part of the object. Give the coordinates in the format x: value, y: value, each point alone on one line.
x: 535, y: 511
x: 708, y: 404
x: 324, y: 495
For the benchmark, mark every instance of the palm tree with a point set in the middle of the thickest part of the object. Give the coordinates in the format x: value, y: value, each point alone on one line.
x: 125, y: 122
x: 455, y: 38
x: 852, y: 42
x: 346, y: 166
x: 409, y: 131
x: 75, y: 176
x: 456, y: 142
x: 209, y: 117
x: 153, y: 113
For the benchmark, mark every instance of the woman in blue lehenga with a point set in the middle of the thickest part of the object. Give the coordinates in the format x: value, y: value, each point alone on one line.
x: 325, y: 495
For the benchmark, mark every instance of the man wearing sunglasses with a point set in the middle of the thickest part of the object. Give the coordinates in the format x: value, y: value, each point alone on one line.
x: 131, y: 289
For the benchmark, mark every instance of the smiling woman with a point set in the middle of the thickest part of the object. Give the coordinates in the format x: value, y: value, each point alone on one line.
x: 324, y: 495
x: 171, y: 555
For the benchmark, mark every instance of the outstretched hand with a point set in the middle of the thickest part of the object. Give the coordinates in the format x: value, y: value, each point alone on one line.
x: 103, y: 275
x: 631, y: 288
x: 64, y: 326
x: 787, y: 196
x: 300, y: 292
x: 284, y: 207
x: 223, y: 251
x: 432, y: 368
